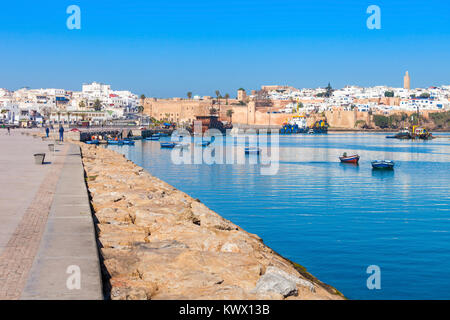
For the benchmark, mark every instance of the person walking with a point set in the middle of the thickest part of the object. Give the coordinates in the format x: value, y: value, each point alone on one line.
x: 47, y: 131
x: 9, y: 130
x: 61, y: 133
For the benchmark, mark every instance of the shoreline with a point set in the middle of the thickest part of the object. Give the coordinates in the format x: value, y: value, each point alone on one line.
x: 156, y: 242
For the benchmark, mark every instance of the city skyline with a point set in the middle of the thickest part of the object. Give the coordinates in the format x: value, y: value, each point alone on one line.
x: 166, y: 50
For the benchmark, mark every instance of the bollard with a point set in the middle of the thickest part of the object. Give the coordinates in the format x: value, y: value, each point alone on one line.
x: 39, y: 158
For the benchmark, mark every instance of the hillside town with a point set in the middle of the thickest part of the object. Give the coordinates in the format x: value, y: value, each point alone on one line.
x: 271, y: 105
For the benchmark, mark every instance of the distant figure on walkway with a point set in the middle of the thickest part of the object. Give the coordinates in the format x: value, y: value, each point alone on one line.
x: 9, y: 130
x: 47, y: 131
x: 61, y: 133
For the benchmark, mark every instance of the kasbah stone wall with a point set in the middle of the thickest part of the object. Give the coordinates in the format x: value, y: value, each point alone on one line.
x: 184, y: 111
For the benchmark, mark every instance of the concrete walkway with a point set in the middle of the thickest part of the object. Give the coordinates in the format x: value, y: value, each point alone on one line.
x: 47, y: 240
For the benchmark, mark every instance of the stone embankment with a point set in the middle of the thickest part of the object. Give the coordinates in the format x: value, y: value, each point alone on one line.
x: 157, y: 242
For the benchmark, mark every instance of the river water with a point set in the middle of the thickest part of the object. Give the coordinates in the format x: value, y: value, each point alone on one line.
x: 336, y: 219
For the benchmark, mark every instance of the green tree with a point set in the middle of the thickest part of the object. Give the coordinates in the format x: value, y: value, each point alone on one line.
x: 381, y: 121
x: 218, y: 95
x: 189, y: 95
x: 97, y: 105
x: 82, y: 105
x: 142, y: 96
x: 230, y: 114
x: 227, y: 96
x: 425, y: 95
x: 140, y: 110
x: 389, y: 94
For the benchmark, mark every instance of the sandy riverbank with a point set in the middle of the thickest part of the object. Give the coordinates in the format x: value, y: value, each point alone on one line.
x: 157, y: 242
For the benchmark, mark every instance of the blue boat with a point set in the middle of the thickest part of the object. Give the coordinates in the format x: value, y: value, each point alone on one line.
x: 252, y: 150
x: 115, y: 141
x: 152, y: 138
x: 204, y: 143
x: 383, y: 164
x: 169, y: 145
x: 93, y: 142
x: 128, y: 142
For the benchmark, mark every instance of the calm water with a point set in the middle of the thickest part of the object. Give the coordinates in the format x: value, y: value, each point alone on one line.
x: 332, y: 218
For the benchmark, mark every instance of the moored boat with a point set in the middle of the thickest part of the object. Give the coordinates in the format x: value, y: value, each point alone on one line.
x: 168, y: 145
x: 153, y: 138
x: 349, y: 159
x: 129, y: 142
x: 115, y: 141
x: 204, y: 143
x: 383, y: 164
x: 92, y: 142
x: 252, y: 150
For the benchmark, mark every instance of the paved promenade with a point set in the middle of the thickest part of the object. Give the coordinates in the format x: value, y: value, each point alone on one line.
x: 47, y: 240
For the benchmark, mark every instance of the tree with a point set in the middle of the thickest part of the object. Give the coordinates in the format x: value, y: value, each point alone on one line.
x: 82, y: 105
x: 189, y: 95
x: 97, y: 105
x: 227, y: 96
x: 389, y: 94
x: 230, y: 113
x: 140, y: 110
x: 142, y: 96
x: 218, y: 95
x: 381, y: 121
x: 425, y: 95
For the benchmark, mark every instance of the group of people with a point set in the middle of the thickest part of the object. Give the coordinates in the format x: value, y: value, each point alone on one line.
x: 61, y: 132
x: 47, y: 131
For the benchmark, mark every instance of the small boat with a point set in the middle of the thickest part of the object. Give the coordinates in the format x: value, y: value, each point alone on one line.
x: 204, y: 143
x: 252, y: 150
x: 349, y: 159
x: 129, y: 142
x: 115, y: 141
x: 383, y: 164
x: 93, y: 142
x: 169, y: 145
x: 152, y: 138
x: 162, y: 134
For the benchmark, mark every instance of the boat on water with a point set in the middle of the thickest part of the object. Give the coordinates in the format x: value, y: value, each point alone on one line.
x: 349, y: 159
x: 128, y: 142
x: 402, y: 134
x: 115, y: 141
x: 153, y: 138
x: 295, y: 125
x: 252, y: 150
x: 93, y: 142
x: 168, y: 145
x: 416, y: 133
x: 383, y: 164
x: 204, y: 143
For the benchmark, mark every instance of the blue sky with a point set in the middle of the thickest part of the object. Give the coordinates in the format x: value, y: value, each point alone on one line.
x: 166, y: 48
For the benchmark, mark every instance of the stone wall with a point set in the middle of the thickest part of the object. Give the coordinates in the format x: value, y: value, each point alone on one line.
x: 157, y: 242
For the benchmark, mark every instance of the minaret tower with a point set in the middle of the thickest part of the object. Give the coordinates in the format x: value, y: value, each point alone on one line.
x: 406, y: 81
